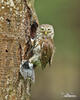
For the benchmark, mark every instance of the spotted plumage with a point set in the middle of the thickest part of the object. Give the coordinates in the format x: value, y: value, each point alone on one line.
x: 44, y: 46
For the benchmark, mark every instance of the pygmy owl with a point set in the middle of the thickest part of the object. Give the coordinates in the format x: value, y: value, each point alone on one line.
x: 44, y: 46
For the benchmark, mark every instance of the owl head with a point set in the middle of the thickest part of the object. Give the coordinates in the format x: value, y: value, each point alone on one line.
x: 46, y: 31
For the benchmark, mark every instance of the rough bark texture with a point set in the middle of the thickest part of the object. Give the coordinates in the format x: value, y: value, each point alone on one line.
x: 16, y: 17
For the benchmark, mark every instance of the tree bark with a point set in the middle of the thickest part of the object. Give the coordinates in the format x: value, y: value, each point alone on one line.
x: 16, y: 17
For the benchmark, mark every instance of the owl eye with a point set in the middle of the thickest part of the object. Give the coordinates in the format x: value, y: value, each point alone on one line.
x: 48, y: 29
x: 42, y: 29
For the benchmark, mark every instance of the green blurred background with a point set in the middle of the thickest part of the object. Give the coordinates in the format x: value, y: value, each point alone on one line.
x: 64, y: 75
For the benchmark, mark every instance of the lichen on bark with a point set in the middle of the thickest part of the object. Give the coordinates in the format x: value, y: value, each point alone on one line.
x: 16, y: 17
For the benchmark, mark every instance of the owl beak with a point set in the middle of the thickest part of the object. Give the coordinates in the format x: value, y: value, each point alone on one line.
x: 45, y: 32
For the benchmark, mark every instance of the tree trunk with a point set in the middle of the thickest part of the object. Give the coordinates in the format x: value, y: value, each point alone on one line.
x: 16, y: 17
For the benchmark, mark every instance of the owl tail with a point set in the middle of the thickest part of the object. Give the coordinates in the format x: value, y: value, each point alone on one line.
x: 50, y: 63
x: 43, y: 65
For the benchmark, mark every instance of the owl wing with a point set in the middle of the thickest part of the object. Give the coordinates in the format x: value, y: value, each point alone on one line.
x: 46, y: 52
